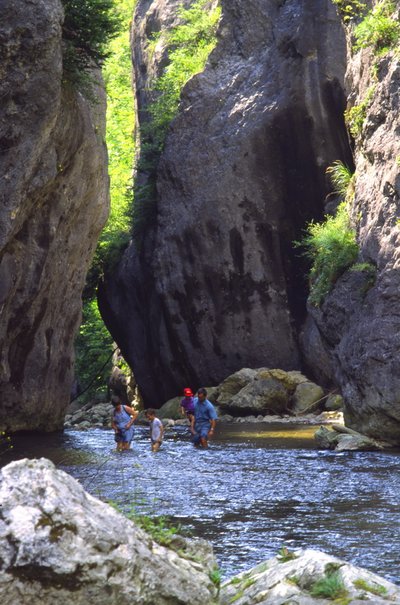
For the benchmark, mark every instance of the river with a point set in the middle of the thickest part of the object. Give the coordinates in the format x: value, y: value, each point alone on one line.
x: 257, y: 488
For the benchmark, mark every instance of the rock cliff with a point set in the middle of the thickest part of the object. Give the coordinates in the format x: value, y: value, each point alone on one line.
x: 216, y: 284
x: 54, y: 203
x: 357, y: 327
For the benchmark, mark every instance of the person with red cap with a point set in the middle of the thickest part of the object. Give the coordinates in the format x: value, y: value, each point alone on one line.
x: 187, y: 404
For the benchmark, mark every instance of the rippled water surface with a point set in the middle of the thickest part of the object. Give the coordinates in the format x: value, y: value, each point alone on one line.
x: 254, y: 490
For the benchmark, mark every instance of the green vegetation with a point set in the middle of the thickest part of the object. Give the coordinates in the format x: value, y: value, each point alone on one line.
x: 332, y: 248
x: 379, y: 29
x: 285, y: 555
x: 189, y: 44
x: 88, y: 26
x: 355, y: 116
x: 343, y: 180
x: 160, y: 528
x: 331, y: 245
x: 120, y: 144
x: 94, y: 348
x: 374, y: 588
x: 94, y: 345
x: 331, y: 586
x: 350, y: 9
x: 5, y: 443
x: 216, y: 577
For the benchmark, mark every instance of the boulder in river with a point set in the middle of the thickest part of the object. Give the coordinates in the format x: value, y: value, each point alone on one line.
x: 60, y: 545
x: 341, y: 438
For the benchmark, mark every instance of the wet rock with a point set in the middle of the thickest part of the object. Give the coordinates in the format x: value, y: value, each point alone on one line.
x: 60, y: 545
x: 341, y: 438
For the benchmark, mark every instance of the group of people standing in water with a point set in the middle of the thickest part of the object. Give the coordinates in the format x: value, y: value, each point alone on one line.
x: 200, y: 412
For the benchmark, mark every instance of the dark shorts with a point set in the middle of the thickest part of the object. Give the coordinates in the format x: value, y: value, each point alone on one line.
x: 124, y: 435
x: 200, y: 433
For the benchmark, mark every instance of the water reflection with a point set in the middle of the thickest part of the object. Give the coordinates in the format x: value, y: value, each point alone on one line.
x: 253, y: 491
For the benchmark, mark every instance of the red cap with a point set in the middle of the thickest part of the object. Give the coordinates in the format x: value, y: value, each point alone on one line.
x: 188, y: 392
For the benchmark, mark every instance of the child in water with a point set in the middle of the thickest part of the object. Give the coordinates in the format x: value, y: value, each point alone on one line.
x: 156, y: 429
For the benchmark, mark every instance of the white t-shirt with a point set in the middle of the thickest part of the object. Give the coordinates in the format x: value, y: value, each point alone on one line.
x: 155, y: 429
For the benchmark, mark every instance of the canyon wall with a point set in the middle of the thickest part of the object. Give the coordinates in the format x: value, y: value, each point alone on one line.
x: 54, y: 202
x: 216, y: 284
x: 357, y: 328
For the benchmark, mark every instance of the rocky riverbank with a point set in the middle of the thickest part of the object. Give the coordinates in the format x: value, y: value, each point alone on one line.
x: 61, y: 545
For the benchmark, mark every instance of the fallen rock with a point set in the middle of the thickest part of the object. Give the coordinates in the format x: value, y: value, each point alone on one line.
x: 59, y: 545
x: 301, y: 578
x: 341, y: 438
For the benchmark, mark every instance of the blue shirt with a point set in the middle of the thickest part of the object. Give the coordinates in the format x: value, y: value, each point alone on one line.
x: 203, y: 413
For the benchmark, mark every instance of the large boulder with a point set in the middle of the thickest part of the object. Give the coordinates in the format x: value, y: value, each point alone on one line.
x: 53, y: 205
x: 266, y: 395
x: 308, y: 577
x: 215, y: 284
x: 60, y: 545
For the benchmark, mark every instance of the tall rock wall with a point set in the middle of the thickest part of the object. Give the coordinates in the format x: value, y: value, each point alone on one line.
x: 358, y: 326
x: 216, y: 285
x: 53, y: 190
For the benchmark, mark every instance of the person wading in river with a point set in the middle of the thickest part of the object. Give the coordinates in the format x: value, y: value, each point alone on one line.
x: 156, y: 429
x: 122, y: 422
x: 187, y: 404
x: 204, y: 419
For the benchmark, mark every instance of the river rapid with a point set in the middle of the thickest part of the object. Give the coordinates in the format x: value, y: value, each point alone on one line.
x: 257, y: 488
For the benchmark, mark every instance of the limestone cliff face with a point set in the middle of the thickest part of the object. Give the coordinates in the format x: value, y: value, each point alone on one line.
x: 358, y: 326
x: 216, y: 285
x: 53, y: 190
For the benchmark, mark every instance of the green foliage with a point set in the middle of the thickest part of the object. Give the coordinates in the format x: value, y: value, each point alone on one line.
x: 216, y: 577
x: 350, y: 9
x: 88, y: 26
x: 378, y: 30
x: 94, y: 347
x: 189, y: 44
x: 284, y: 555
x: 94, y: 344
x: 374, y: 588
x: 342, y: 180
x: 355, y: 116
x: 332, y: 248
x: 331, y: 586
x: 160, y: 528
x: 5, y: 443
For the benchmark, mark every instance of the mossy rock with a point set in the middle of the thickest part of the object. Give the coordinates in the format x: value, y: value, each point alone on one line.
x: 171, y: 409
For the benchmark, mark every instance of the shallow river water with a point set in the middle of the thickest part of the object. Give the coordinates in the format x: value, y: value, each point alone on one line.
x: 254, y: 490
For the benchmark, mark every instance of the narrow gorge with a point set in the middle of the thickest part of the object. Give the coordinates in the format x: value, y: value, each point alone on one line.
x: 212, y: 280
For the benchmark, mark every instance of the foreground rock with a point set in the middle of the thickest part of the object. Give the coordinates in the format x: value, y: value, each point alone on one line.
x: 53, y: 204
x: 59, y: 545
x: 308, y: 577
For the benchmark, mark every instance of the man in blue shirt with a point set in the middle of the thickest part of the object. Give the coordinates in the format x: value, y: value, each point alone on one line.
x: 204, y: 419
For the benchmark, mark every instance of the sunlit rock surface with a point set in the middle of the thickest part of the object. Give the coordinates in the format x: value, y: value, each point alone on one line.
x: 53, y: 204
x: 359, y: 323
x: 300, y: 578
x: 59, y: 545
x: 216, y: 286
